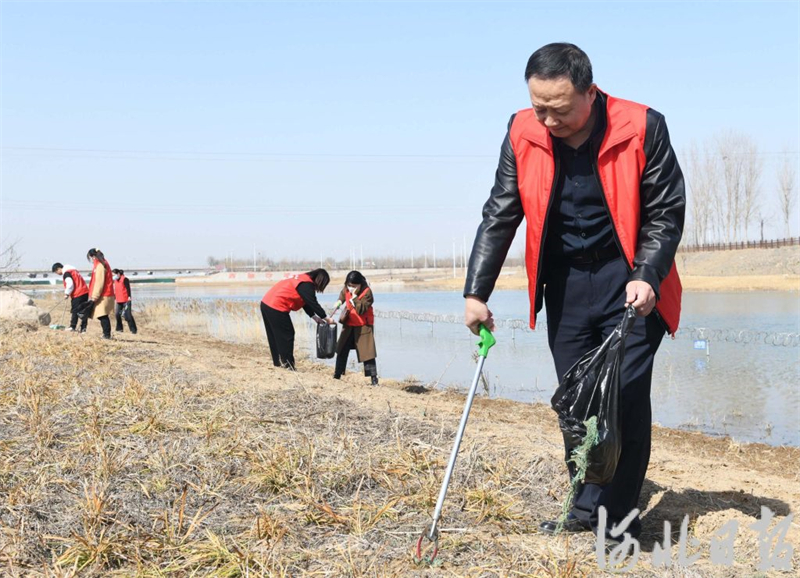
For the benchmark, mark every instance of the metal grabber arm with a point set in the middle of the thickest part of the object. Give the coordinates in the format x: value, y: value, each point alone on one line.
x: 432, y: 533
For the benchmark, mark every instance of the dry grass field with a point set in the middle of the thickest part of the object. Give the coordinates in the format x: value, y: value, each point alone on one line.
x: 171, y: 454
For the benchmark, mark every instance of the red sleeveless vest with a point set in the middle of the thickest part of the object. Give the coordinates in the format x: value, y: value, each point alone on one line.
x: 79, y: 283
x: 108, y: 289
x: 353, y: 319
x: 120, y: 292
x: 283, y: 295
x: 620, y: 164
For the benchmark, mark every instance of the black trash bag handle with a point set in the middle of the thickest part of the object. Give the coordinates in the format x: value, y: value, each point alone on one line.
x: 628, y: 320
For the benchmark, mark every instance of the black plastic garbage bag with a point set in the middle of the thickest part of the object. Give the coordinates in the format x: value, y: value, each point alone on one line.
x: 85, y: 309
x: 326, y: 340
x: 591, y: 389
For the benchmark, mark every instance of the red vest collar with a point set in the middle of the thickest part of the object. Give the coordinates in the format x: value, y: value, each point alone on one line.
x: 618, y: 128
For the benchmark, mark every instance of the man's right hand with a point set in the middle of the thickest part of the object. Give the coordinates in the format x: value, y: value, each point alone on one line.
x: 476, y: 312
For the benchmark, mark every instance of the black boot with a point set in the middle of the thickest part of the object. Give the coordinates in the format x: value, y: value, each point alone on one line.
x: 374, y: 380
x: 105, y: 323
x: 572, y: 525
x: 341, y: 364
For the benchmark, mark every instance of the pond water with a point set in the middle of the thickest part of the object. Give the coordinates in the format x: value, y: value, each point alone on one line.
x: 748, y: 390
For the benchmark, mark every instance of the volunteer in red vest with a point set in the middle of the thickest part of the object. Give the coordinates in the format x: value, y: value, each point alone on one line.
x: 122, y: 295
x: 101, y: 291
x: 599, y: 186
x: 74, y: 288
x: 291, y: 294
x: 358, y: 321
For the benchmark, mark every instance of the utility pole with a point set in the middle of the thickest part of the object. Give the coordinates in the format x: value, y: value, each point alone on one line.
x: 362, y: 256
x: 254, y: 257
x: 464, y: 255
x: 454, y: 257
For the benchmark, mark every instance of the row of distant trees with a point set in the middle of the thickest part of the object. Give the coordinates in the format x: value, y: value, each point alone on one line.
x: 725, y: 194
x: 446, y: 262
x: 725, y: 190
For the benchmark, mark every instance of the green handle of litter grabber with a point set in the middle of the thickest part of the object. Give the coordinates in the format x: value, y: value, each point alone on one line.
x: 487, y: 341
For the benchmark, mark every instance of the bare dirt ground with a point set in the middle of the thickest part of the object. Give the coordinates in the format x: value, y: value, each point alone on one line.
x: 165, y: 454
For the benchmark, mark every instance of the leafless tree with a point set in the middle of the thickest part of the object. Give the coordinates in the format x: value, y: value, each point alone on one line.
x: 787, y: 194
x: 731, y: 173
x: 752, y: 167
x: 702, y: 178
x: 741, y: 174
x: 9, y: 258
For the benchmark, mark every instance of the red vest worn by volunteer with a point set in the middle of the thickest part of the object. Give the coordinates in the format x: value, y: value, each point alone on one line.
x: 79, y: 284
x: 108, y: 289
x: 283, y: 295
x: 353, y: 319
x: 620, y: 164
x: 120, y: 292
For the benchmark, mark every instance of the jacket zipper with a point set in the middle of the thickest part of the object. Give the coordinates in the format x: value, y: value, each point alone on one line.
x: 614, y: 229
x: 605, y: 205
x: 557, y: 165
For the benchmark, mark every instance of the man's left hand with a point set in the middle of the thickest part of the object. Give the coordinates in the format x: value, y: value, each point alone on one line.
x: 641, y: 296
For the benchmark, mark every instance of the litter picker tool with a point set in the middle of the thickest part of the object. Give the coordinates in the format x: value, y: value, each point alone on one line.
x: 59, y: 324
x: 432, y: 533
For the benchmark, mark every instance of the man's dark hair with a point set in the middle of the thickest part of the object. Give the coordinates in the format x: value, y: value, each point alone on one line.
x: 561, y: 60
x: 320, y: 278
x: 57, y: 266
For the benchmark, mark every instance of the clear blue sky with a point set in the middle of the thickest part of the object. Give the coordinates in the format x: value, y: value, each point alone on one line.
x: 167, y: 132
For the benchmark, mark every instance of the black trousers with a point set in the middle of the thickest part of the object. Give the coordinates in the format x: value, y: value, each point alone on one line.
x: 584, y: 305
x: 280, y: 335
x: 105, y: 324
x: 75, y: 304
x: 124, y: 310
x: 370, y: 365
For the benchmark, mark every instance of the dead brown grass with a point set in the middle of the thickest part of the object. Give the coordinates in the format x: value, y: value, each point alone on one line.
x: 147, y: 457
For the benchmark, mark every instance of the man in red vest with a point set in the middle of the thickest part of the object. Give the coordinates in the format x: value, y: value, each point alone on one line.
x: 74, y: 288
x: 599, y: 186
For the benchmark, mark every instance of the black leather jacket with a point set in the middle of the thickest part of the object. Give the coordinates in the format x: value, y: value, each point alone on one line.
x: 663, y: 201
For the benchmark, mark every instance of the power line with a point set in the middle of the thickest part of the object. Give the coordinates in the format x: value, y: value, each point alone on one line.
x: 191, y: 155
x: 261, y: 156
x: 221, y: 208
